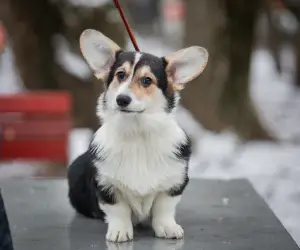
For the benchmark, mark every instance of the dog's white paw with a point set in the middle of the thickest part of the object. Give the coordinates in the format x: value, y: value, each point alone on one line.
x: 168, y: 230
x: 119, y: 232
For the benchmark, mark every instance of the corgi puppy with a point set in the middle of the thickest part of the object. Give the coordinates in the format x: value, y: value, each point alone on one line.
x: 136, y: 167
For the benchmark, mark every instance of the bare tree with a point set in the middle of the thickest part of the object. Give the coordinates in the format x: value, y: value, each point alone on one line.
x: 220, y: 97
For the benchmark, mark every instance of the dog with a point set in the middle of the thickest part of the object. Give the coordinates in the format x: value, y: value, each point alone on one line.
x: 136, y: 166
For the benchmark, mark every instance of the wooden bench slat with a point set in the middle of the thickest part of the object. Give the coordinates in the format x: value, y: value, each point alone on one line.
x: 55, y: 150
x: 43, y: 102
x: 27, y: 129
x: 35, y: 125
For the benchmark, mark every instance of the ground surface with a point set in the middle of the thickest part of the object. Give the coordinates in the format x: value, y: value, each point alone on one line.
x: 216, y: 215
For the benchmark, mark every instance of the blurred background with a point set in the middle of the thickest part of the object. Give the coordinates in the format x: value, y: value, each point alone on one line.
x: 243, y: 112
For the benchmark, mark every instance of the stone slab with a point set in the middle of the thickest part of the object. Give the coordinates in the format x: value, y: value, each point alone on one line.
x: 216, y: 215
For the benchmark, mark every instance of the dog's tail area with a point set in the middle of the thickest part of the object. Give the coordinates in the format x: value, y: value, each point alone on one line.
x: 83, y: 188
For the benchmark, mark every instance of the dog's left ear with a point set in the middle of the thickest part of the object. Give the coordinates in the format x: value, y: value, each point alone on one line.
x: 99, y: 51
x: 185, y: 65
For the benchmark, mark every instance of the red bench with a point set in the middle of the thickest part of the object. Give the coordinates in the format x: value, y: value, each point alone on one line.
x: 35, y: 126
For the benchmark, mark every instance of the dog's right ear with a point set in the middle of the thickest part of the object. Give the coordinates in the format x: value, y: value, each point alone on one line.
x: 99, y: 51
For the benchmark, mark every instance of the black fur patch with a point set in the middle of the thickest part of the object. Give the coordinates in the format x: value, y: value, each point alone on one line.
x: 83, y: 187
x: 171, y: 101
x: 106, y: 195
x: 184, y: 150
x: 96, y: 153
x: 170, y: 95
x: 84, y: 191
x: 183, y: 153
x: 178, y: 189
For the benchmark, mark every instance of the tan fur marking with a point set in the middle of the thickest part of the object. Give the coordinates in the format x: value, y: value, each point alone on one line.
x: 173, y: 87
x: 114, y: 84
x: 124, y: 67
x: 145, y: 71
x: 137, y: 88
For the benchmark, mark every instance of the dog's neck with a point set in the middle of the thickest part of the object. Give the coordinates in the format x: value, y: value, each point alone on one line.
x: 129, y: 125
x: 124, y: 125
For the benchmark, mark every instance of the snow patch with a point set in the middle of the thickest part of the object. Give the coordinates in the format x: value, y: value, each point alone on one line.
x: 89, y: 3
x: 71, y: 62
x: 79, y: 140
x: 10, y: 81
x: 275, y: 96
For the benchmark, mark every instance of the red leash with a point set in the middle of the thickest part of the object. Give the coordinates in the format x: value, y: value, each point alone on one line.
x: 132, y: 38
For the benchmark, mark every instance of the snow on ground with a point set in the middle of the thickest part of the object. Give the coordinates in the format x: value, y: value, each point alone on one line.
x: 89, y: 3
x: 69, y: 61
x: 9, y: 80
x: 272, y: 168
x: 275, y: 96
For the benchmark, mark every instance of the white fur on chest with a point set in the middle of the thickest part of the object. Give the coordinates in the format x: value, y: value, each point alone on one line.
x: 140, y: 162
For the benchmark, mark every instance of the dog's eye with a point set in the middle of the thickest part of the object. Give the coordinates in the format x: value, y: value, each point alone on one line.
x: 121, y: 75
x: 146, y: 81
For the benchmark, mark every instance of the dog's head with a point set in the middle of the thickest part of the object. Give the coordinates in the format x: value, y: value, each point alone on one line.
x: 140, y: 83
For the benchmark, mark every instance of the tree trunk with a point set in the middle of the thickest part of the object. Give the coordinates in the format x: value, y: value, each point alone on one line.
x: 297, y: 48
x: 294, y: 7
x: 275, y: 36
x: 219, y: 98
x: 32, y: 25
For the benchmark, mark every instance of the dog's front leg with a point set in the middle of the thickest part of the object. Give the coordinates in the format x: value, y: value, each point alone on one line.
x: 118, y: 217
x: 163, y: 216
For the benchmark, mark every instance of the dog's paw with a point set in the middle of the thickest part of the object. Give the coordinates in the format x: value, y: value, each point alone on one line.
x: 168, y: 230
x: 119, y: 232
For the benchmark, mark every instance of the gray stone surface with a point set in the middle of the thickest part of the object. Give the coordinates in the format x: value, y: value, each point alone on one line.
x: 216, y: 215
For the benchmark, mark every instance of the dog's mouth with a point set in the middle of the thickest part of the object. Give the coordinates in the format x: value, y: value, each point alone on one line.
x: 131, y: 111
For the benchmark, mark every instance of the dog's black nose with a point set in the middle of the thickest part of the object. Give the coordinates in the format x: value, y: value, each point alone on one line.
x: 123, y: 100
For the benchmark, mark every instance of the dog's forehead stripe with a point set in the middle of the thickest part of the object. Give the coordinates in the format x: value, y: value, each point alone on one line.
x: 137, y: 58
